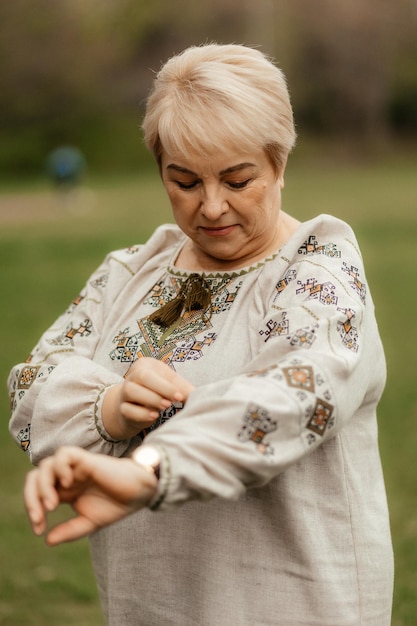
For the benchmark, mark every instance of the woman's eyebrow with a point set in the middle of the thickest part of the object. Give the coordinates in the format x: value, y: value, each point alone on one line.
x: 236, y: 168
x: 228, y: 170
x: 178, y: 168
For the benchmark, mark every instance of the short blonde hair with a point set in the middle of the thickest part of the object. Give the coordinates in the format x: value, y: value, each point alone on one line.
x: 215, y: 97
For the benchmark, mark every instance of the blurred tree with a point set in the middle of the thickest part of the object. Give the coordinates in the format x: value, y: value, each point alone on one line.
x: 344, y: 61
x: 51, y: 76
x: 79, y: 71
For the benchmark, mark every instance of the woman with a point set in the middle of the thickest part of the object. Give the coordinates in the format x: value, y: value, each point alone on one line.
x: 234, y: 362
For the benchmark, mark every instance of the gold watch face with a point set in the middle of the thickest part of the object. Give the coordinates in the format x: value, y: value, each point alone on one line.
x: 147, y: 456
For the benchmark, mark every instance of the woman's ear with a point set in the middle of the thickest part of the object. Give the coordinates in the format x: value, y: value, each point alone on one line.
x: 281, y: 172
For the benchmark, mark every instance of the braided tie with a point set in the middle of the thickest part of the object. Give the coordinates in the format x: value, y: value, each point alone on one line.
x: 194, y: 295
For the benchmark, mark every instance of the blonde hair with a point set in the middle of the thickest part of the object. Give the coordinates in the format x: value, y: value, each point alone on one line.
x: 215, y: 97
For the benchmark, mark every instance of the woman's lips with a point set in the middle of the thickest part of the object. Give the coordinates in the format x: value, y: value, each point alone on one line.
x: 220, y: 231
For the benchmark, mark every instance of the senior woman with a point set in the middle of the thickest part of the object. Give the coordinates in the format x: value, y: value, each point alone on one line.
x: 234, y: 361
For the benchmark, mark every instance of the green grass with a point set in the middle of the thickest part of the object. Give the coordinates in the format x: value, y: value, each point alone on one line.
x: 47, y: 251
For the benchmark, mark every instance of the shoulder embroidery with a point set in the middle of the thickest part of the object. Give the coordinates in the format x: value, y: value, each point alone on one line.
x: 311, y: 246
x: 324, y: 292
x: 348, y: 333
x: 355, y: 283
x: 282, y: 284
x: 67, y: 337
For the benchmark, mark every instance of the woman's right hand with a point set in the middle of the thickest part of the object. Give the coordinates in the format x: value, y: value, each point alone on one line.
x: 150, y: 386
x: 100, y: 489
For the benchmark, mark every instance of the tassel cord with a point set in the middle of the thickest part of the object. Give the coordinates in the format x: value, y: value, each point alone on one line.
x: 194, y: 295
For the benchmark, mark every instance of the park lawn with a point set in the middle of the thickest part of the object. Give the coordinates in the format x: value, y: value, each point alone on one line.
x: 48, y: 247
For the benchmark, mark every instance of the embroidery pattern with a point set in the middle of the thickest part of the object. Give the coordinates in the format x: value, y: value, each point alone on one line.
x: 275, y: 327
x: 23, y: 438
x: 311, y: 246
x: 132, y: 249
x: 289, y: 276
x: 71, y: 331
x: 303, y: 337
x: 101, y: 281
x: 257, y: 423
x: 356, y: 284
x: 27, y: 376
x: 301, y: 377
x: 313, y: 396
x: 164, y: 416
x: 347, y: 331
x: 324, y: 293
x: 186, y: 339
x: 320, y: 418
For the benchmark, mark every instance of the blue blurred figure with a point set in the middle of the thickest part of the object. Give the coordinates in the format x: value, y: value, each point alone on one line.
x: 66, y: 166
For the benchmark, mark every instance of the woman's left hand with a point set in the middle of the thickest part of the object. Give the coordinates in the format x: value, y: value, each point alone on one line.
x: 149, y: 387
x: 100, y: 489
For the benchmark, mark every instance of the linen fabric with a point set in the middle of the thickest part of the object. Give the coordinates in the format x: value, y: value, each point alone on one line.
x: 271, y: 507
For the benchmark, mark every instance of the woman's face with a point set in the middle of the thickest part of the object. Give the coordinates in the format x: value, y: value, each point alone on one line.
x: 228, y: 205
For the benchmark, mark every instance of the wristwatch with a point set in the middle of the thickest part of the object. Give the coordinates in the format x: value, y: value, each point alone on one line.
x: 149, y: 458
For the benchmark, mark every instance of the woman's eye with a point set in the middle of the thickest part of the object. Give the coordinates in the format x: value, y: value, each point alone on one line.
x: 239, y: 185
x: 186, y: 186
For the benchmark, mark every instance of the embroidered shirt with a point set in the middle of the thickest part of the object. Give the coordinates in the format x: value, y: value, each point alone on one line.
x: 271, y: 480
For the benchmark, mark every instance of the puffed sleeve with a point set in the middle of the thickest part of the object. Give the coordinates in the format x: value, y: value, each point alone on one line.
x: 55, y: 395
x: 318, y: 363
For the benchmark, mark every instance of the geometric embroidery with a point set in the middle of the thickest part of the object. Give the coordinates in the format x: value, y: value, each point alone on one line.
x: 356, y: 284
x: 324, y: 293
x: 177, y: 343
x: 163, y: 292
x: 311, y: 246
x: 284, y: 282
x: 347, y: 332
x: 182, y: 340
x: 101, y: 281
x: 23, y: 438
x: 275, y: 328
x: 303, y: 337
x: 126, y: 349
x: 301, y: 377
x: 27, y: 376
x: 191, y: 349
x: 164, y: 416
x: 321, y: 415
x: 132, y: 249
x: 256, y: 424
x: 83, y: 330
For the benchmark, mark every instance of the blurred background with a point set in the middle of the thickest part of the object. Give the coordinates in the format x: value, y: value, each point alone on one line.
x: 76, y: 181
x: 78, y: 71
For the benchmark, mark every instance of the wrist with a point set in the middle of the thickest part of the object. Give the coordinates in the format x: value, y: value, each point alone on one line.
x: 109, y: 411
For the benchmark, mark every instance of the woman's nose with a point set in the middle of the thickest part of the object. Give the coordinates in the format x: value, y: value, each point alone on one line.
x: 213, y: 205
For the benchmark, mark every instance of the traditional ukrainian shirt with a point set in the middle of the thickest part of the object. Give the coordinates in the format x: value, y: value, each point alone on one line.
x: 271, y: 509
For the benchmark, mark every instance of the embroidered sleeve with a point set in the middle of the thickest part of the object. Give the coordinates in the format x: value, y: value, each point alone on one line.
x: 53, y: 394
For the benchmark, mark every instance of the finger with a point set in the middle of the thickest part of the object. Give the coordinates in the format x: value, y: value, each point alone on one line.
x: 72, y: 529
x: 45, y: 484
x: 156, y: 399
x: 156, y: 377
x: 67, y: 462
x: 33, y: 503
